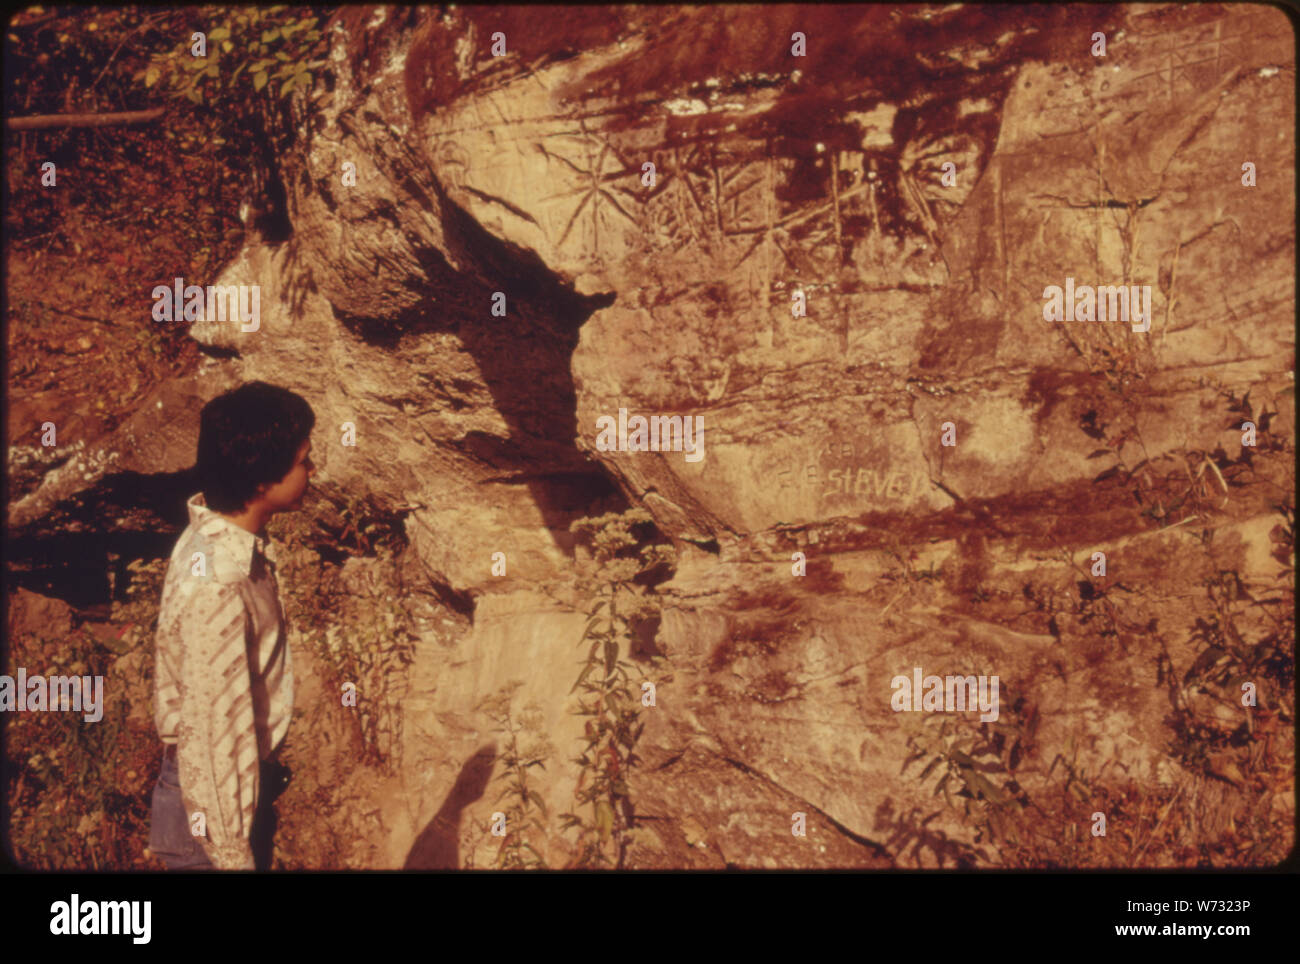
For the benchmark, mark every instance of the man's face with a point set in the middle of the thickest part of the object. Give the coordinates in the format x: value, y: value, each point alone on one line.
x: 287, y: 494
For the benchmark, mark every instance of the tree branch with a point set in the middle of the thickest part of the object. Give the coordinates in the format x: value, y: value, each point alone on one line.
x: 46, y: 121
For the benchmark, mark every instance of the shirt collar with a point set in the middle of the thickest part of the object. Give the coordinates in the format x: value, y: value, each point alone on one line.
x: 238, y: 541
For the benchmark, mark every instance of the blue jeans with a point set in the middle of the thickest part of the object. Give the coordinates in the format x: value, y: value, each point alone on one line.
x: 169, y: 831
x: 169, y: 826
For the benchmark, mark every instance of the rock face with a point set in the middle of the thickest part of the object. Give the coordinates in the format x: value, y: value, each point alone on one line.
x: 835, y: 263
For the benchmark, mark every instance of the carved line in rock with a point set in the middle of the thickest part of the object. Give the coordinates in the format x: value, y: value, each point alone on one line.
x: 707, y: 210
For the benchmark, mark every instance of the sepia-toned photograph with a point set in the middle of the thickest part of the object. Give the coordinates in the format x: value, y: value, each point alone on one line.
x: 650, y: 438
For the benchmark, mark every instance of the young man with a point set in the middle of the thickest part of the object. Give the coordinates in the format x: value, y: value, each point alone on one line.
x: 223, y: 676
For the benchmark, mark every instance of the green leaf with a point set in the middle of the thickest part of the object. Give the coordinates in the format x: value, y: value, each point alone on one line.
x: 151, y: 76
x: 962, y: 758
x: 259, y: 81
x: 221, y: 33
x: 604, y: 820
x: 1203, y: 662
x: 586, y: 671
x: 587, y: 631
x: 977, y: 781
x: 269, y: 35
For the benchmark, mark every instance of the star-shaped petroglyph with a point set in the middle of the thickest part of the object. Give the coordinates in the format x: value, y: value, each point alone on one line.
x: 674, y: 182
x: 595, y: 187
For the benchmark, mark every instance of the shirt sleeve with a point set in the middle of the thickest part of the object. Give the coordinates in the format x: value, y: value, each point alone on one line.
x: 217, y: 742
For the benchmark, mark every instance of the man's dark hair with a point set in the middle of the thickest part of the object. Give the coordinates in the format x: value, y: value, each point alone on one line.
x: 249, y: 437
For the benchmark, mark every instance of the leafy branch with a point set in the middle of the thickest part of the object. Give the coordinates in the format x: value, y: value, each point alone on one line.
x: 285, y: 46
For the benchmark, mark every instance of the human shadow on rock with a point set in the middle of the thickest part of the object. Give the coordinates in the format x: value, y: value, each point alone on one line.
x: 438, y: 845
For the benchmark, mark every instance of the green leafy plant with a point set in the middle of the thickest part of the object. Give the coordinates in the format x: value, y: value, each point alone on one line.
x: 517, y: 851
x: 365, y: 636
x: 975, y: 762
x: 78, y: 790
x: 627, y: 563
x: 251, y: 90
x: 1230, y: 654
x: 248, y: 49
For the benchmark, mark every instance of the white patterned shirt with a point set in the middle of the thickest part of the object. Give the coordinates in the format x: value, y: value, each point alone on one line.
x: 223, y: 686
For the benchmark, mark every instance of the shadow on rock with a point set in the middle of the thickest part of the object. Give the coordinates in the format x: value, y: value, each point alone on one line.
x: 437, y: 847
